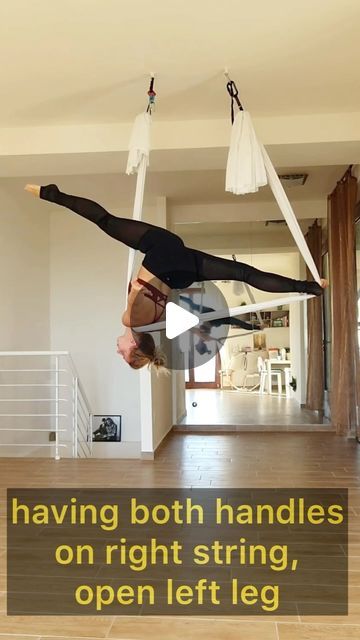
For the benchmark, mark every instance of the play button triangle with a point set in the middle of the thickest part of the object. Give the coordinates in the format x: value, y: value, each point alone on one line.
x: 178, y: 320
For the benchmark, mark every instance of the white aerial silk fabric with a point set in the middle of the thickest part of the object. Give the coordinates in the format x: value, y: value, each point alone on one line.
x: 245, y: 170
x: 249, y: 168
x: 139, y: 145
x: 138, y: 161
x: 289, y: 215
x: 234, y: 311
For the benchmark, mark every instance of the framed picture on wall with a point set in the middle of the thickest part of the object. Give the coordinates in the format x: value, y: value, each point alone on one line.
x: 106, y: 428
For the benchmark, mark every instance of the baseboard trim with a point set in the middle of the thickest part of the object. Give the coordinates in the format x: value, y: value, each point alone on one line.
x: 251, y: 428
x: 181, y: 418
x: 150, y: 455
x: 147, y: 455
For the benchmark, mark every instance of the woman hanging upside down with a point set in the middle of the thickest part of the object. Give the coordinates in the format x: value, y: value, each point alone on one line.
x: 168, y: 264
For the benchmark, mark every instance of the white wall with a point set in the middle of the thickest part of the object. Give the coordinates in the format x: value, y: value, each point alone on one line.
x: 179, y: 397
x: 24, y: 273
x: 88, y: 290
x: 276, y: 337
x: 298, y: 342
x: 298, y: 351
x: 24, y: 317
x: 161, y: 386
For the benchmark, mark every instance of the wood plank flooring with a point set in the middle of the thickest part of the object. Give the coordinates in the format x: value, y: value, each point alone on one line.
x: 245, y: 409
x: 199, y: 460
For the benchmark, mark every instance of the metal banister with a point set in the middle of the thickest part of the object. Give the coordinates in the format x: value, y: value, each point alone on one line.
x: 72, y: 394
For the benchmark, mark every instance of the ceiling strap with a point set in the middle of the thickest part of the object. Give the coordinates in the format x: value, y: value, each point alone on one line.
x: 234, y: 95
x: 151, y: 93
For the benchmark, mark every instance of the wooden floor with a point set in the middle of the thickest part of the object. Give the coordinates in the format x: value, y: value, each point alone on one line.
x: 240, y: 409
x: 216, y: 460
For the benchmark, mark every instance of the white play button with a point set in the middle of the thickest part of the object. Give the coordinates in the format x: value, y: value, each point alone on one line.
x: 178, y: 320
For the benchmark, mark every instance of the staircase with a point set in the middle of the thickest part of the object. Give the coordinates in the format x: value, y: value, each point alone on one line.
x: 43, y: 407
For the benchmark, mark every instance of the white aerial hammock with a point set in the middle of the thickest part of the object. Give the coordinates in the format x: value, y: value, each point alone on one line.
x: 234, y: 311
x: 138, y: 161
x: 248, y: 168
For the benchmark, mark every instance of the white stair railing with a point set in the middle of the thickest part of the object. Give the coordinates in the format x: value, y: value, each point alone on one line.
x: 47, y: 408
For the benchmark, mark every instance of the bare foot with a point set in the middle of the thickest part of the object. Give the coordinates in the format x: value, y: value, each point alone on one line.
x: 34, y: 189
x: 324, y: 283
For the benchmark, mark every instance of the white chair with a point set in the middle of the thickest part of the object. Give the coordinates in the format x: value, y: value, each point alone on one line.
x: 225, y: 378
x: 288, y: 377
x: 255, y: 379
x: 251, y: 370
x: 263, y: 371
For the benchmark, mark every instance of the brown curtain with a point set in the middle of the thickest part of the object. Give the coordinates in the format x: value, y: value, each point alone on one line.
x: 342, y: 260
x: 315, y: 372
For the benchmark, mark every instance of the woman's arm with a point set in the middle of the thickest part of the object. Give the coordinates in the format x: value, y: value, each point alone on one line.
x: 125, y: 319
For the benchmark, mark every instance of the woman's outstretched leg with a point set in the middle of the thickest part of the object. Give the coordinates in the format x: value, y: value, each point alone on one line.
x: 214, y: 268
x: 130, y: 232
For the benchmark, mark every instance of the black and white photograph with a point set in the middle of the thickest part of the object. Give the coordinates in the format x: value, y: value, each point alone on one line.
x: 106, y: 429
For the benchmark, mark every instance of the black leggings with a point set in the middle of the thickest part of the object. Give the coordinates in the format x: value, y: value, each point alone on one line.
x: 166, y: 256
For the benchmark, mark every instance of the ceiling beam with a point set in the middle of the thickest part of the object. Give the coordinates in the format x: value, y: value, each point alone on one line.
x: 255, y: 211
x: 180, y: 134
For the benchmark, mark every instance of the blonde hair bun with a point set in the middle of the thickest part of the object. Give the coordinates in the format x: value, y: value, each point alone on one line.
x: 159, y: 361
x: 146, y: 353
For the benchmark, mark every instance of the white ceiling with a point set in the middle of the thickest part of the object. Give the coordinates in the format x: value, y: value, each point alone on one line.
x: 87, y: 61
